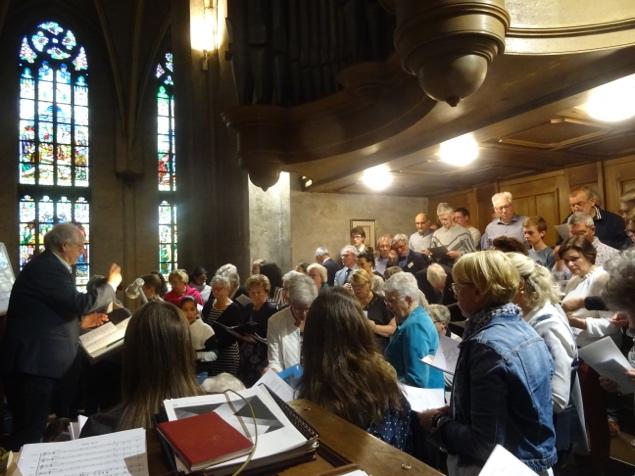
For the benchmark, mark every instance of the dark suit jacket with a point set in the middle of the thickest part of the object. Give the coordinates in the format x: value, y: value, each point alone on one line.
x: 415, y: 262
x: 42, y: 334
x: 331, y: 268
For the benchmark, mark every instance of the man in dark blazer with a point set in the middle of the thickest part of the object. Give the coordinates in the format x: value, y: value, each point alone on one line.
x: 322, y: 257
x: 408, y: 260
x: 42, y: 334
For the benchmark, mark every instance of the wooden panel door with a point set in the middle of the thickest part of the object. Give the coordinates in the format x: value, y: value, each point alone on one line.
x: 619, y: 176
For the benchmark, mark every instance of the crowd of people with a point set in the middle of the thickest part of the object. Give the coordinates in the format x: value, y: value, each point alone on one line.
x: 359, y: 328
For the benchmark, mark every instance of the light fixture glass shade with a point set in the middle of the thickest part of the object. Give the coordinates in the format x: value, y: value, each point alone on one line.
x: 377, y: 178
x: 460, y: 151
x: 614, y: 101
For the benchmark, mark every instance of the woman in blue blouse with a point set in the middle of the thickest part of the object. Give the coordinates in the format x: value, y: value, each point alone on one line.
x: 345, y: 373
x: 416, y: 336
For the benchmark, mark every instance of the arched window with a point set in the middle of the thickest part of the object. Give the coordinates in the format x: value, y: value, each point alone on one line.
x: 53, y: 171
x: 166, y: 166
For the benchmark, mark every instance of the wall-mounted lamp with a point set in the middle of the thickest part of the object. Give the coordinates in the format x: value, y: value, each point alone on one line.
x: 207, y: 27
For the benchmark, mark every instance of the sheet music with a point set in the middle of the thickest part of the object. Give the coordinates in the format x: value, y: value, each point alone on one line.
x: 422, y: 399
x: 102, y: 337
x: 607, y: 360
x: 277, y: 385
x: 446, y: 357
x: 117, y: 454
x: 502, y: 463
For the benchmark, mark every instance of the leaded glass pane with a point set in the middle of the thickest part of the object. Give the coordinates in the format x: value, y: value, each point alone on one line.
x: 45, y: 90
x: 64, y: 210
x: 46, y: 153
x: 45, y: 131
x: 27, y: 173
x: 64, y: 176
x: 46, y: 174
x: 63, y: 113
x: 81, y: 156
x: 27, y: 130
x: 27, y: 109
x: 81, y: 177
x: 63, y: 92
x: 81, y: 115
x: 27, y: 88
x: 45, y: 73
x: 64, y: 154
x: 64, y: 133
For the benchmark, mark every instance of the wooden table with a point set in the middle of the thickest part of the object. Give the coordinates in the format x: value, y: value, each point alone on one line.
x: 340, y: 443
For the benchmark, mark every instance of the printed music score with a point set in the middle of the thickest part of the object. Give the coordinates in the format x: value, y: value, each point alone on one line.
x: 117, y: 454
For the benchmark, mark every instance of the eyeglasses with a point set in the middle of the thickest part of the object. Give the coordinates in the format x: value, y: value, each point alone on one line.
x: 457, y: 286
x: 503, y: 207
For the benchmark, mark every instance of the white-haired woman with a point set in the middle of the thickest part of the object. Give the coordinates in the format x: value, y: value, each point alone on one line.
x: 319, y: 275
x: 456, y: 239
x: 415, y: 337
x: 284, y: 333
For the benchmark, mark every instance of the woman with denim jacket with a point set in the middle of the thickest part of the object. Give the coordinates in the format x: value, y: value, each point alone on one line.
x: 502, y: 385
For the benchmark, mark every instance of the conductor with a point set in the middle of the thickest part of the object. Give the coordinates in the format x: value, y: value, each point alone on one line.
x: 42, y: 334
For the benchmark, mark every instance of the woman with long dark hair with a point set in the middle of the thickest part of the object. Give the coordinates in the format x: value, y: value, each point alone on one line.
x: 344, y: 372
x: 158, y: 363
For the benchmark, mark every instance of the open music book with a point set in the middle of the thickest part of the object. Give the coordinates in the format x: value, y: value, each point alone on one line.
x: 282, y: 434
x: 105, y: 338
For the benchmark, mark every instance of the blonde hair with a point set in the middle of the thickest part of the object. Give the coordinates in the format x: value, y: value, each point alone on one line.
x: 538, y: 282
x: 360, y: 276
x: 179, y: 274
x: 258, y: 280
x: 491, y: 272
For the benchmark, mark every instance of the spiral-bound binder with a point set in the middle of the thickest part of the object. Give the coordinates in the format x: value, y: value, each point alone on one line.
x: 300, y: 423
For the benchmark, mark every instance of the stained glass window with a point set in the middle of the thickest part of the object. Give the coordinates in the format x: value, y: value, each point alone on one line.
x: 38, y: 215
x: 166, y: 165
x: 168, y: 238
x: 53, y: 161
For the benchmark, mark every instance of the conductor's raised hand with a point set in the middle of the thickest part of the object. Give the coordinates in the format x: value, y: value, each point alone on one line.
x: 114, y: 276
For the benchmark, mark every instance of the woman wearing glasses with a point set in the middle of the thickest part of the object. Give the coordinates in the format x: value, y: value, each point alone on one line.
x: 502, y: 385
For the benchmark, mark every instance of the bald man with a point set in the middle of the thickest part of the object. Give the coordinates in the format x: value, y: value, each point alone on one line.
x: 420, y: 239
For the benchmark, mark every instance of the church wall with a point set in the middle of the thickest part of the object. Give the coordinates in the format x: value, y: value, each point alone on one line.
x: 269, y: 223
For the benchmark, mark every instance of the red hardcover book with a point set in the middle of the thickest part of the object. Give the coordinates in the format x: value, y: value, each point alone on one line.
x: 204, y: 440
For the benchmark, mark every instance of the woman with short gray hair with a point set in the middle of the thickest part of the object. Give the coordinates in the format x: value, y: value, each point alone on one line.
x: 415, y: 337
x: 284, y: 332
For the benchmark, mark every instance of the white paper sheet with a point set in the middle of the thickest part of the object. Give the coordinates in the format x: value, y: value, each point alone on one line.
x: 502, y: 463
x: 422, y: 399
x: 278, y: 386
x: 606, y: 359
x: 116, y: 454
x: 446, y: 357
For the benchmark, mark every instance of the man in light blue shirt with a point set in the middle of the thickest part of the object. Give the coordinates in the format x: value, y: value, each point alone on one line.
x: 506, y: 222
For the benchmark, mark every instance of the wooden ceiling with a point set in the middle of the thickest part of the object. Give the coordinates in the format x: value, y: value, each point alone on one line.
x: 549, y: 137
x: 553, y: 141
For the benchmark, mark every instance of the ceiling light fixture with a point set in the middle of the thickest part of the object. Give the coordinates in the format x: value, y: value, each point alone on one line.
x: 612, y: 102
x: 460, y: 151
x: 377, y: 178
